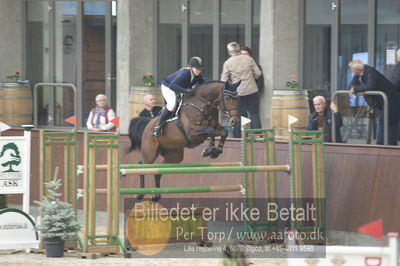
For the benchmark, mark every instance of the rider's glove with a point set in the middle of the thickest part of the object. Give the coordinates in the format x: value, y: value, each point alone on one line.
x: 190, y: 92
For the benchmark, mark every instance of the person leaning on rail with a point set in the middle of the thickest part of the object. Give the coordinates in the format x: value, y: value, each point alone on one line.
x: 321, y: 118
x: 367, y: 78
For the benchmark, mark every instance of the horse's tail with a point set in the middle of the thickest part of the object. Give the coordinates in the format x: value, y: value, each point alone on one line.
x: 136, y: 128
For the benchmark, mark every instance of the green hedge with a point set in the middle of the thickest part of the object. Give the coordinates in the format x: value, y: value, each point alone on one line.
x: 3, y: 201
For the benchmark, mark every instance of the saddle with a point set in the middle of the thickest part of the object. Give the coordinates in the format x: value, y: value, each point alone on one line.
x: 175, y: 114
x: 174, y: 118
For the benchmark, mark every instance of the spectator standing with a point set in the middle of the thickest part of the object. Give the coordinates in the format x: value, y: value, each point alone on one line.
x: 260, y: 80
x: 239, y: 67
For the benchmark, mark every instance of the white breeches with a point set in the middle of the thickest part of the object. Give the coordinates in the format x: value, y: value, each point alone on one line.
x: 169, y: 96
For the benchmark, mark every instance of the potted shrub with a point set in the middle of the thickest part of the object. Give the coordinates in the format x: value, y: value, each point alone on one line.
x: 58, y: 220
x: 148, y: 79
x: 137, y: 91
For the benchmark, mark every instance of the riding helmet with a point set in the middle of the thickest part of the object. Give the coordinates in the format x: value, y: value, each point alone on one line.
x: 196, y: 62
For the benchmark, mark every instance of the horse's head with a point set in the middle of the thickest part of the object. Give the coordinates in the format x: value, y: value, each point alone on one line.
x: 229, y: 101
x: 222, y: 96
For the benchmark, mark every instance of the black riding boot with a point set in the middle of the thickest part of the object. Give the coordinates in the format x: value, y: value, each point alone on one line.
x: 163, y: 117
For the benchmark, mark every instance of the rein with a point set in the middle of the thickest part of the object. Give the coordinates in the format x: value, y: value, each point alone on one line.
x: 222, y: 102
x: 218, y: 105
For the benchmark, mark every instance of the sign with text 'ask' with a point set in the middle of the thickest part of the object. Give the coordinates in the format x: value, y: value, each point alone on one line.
x: 12, y: 161
x: 15, y: 164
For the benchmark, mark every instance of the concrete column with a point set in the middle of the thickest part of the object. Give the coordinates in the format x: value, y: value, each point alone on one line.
x: 278, y: 48
x: 142, y: 34
x: 10, y: 38
x: 134, y: 51
x: 124, y: 66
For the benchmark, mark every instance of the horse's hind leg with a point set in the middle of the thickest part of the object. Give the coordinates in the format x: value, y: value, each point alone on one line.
x: 150, y: 152
x: 142, y: 185
x: 171, y: 156
x: 141, y: 196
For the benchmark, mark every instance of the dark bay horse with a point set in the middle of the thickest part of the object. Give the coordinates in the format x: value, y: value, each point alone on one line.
x: 198, y: 120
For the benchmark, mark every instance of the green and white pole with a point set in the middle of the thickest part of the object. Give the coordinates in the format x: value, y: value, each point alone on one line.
x: 204, y: 170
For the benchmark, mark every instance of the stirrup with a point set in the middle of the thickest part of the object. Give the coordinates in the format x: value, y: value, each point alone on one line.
x: 157, y: 131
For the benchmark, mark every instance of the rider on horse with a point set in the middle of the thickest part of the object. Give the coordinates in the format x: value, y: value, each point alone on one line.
x: 179, y: 82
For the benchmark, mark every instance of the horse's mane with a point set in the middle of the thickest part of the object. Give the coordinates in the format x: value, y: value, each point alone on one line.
x: 212, y: 81
x: 208, y: 83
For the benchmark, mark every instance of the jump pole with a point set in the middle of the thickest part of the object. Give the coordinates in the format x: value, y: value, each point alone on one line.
x: 206, y: 170
x: 266, y: 138
x: 61, y: 143
x: 112, y: 242
x: 173, y: 190
x: 316, y: 139
x: 100, y: 167
x: 66, y: 143
x: 109, y: 242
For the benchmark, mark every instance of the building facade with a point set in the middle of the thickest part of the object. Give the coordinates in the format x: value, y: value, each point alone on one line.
x: 107, y: 46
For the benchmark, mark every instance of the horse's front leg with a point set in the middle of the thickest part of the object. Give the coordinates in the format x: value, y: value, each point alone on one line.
x: 211, y: 144
x: 223, y: 132
x: 157, y: 197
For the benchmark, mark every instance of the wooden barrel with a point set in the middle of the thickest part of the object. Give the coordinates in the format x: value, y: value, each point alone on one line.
x: 289, y: 102
x: 136, y: 95
x: 15, y: 104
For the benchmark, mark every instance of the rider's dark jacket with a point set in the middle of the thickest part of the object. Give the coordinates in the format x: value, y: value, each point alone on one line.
x: 180, y: 81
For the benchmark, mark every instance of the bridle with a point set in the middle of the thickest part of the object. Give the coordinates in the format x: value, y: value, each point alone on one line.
x: 218, y: 104
x: 231, y: 94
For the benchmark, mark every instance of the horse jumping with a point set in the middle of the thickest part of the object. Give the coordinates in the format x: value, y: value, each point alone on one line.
x: 198, y: 120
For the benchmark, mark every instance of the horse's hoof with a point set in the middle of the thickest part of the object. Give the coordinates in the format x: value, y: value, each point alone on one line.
x: 140, y: 197
x: 214, y: 154
x: 206, y: 153
x: 156, y: 197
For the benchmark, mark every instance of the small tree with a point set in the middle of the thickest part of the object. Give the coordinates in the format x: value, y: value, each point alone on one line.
x: 58, y: 219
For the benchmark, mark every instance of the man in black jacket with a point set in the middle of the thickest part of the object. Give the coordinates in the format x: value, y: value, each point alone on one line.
x: 151, y: 109
x: 367, y: 78
x: 322, y: 119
